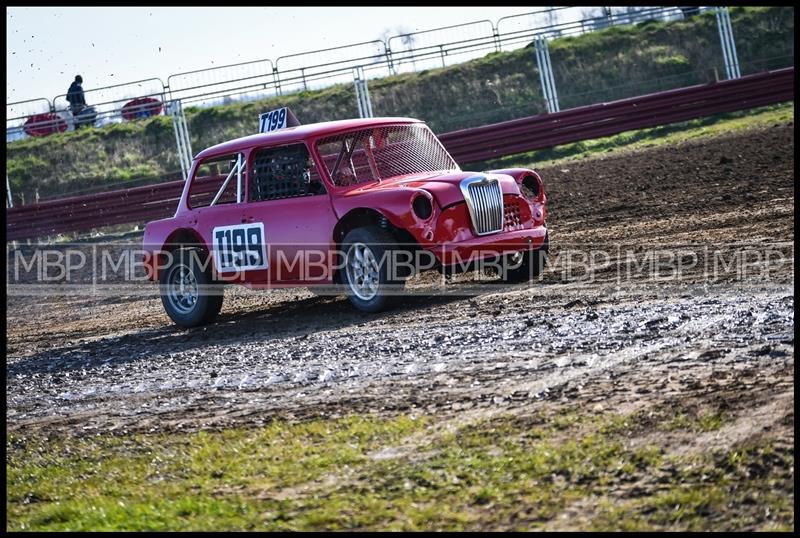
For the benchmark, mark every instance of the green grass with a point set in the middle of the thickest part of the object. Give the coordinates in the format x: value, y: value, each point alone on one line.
x: 200, y: 480
x: 401, y: 473
x: 672, y: 134
x: 706, y: 422
x: 721, y: 490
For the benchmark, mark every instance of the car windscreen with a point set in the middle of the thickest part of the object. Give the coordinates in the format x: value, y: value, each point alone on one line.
x: 378, y: 153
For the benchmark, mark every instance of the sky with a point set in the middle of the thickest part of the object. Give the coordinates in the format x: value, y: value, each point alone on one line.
x: 46, y: 47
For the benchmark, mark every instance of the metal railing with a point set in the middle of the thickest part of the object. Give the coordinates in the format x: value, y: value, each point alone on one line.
x: 255, y: 79
x: 110, y: 104
x: 322, y: 68
x: 519, y: 38
x: 139, y: 204
x: 428, y: 49
x: 20, y: 112
x: 303, y: 71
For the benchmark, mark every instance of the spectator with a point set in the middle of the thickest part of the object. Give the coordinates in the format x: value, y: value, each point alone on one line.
x: 75, y: 96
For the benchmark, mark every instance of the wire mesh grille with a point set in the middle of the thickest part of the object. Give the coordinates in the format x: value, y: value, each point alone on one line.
x: 378, y: 153
x: 284, y: 172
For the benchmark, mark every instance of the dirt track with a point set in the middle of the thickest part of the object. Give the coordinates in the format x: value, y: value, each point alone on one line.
x: 624, y: 344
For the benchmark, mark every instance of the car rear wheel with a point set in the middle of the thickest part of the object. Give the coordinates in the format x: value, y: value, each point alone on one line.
x: 370, y: 282
x: 185, y: 289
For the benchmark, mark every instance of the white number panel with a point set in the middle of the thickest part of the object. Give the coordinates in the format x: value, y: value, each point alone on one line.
x: 240, y: 247
x: 273, y: 120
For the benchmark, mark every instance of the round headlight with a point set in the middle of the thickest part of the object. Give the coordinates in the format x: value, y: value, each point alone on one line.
x: 530, y: 187
x: 422, y: 207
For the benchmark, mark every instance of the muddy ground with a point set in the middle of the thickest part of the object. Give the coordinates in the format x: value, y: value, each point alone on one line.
x: 617, y: 338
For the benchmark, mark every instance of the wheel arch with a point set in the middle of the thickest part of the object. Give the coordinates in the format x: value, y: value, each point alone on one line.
x: 367, y: 216
x: 179, y: 238
x: 525, y: 177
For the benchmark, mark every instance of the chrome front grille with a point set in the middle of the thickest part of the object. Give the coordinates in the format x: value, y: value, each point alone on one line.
x: 485, y: 203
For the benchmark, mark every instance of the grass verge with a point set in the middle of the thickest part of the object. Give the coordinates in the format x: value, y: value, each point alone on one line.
x: 547, y: 469
x: 675, y: 133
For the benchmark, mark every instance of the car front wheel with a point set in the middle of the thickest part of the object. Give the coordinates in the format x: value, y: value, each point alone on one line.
x: 527, y: 265
x: 370, y: 282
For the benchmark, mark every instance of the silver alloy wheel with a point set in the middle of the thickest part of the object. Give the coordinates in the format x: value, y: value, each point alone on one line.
x: 363, y: 273
x: 182, y: 289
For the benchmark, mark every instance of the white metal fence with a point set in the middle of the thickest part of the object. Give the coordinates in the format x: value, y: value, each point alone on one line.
x: 317, y: 69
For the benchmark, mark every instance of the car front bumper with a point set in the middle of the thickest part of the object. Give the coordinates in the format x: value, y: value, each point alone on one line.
x: 490, y: 246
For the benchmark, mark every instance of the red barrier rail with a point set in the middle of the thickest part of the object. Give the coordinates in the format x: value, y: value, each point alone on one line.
x: 140, y: 204
x: 604, y: 119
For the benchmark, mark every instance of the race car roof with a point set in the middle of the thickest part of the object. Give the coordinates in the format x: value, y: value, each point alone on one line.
x: 296, y: 134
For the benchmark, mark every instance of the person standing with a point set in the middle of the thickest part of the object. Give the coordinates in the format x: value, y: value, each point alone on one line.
x: 82, y: 114
x: 77, y: 101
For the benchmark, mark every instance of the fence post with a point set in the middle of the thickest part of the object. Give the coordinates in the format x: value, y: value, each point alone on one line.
x: 181, y: 136
x: 392, y: 70
x: 9, y: 200
x: 358, y: 93
x: 732, y: 44
x: 546, y: 73
x: 729, y: 56
x: 553, y: 92
x: 539, y: 63
x: 609, y: 15
x: 276, y: 77
x: 362, y: 93
x: 367, y: 99
x: 723, y: 43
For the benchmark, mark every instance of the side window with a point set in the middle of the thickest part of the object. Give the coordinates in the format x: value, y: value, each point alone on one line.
x: 210, y: 178
x: 284, y: 172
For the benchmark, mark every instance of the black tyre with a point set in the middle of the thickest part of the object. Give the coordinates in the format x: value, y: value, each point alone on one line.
x: 368, y: 274
x: 186, y: 294
x: 529, y: 266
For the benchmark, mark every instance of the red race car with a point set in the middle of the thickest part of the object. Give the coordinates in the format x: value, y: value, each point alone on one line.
x: 357, y: 205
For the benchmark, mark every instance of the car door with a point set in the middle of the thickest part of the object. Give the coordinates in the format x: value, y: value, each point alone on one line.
x: 288, y: 198
x: 217, y: 200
